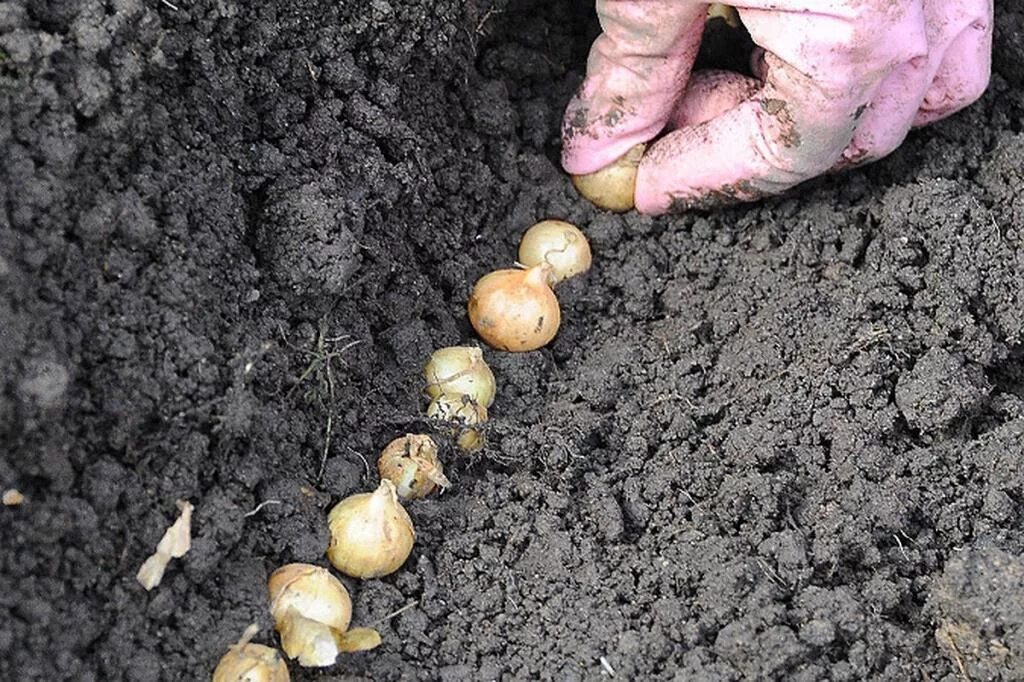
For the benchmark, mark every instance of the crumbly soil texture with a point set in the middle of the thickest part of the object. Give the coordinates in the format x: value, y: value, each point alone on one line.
x: 774, y: 441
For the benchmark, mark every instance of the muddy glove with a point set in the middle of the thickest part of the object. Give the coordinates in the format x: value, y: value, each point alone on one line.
x: 839, y: 83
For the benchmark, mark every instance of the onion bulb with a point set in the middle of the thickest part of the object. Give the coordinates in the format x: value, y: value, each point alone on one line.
x: 464, y: 415
x: 559, y: 244
x: 515, y: 310
x: 371, y: 534
x: 726, y: 13
x: 245, y: 662
x: 311, y: 611
x: 612, y: 187
x: 411, y: 463
x: 460, y: 370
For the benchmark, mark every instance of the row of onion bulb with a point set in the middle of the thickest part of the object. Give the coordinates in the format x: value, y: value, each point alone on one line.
x: 371, y: 533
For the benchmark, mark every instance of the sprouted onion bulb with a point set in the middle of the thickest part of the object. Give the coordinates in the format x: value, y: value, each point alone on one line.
x: 463, y: 415
x: 460, y: 370
x: 411, y: 463
x: 371, y: 533
x: 515, y: 310
x: 612, y: 187
x: 245, y: 662
x: 312, y: 612
x: 559, y: 244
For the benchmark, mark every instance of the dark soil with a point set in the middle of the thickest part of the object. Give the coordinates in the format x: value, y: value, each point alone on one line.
x: 783, y: 440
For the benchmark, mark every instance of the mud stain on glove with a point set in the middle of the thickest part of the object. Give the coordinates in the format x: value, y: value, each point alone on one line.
x: 779, y: 109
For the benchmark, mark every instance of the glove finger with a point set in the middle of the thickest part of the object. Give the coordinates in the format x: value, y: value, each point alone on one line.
x: 884, y: 124
x: 711, y: 93
x: 636, y: 70
x: 798, y: 124
x: 965, y: 67
x: 785, y: 133
x: 922, y: 90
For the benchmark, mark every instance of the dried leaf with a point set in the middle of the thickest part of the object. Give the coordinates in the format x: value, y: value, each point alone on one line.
x: 177, y: 540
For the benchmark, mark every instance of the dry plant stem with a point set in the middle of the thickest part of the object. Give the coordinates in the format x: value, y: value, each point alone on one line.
x: 410, y: 605
x: 328, y: 430
x: 322, y: 365
x: 259, y: 507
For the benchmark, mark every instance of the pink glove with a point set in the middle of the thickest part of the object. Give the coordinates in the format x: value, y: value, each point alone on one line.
x: 840, y: 83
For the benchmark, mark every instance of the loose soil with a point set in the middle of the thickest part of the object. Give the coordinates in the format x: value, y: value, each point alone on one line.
x: 777, y: 441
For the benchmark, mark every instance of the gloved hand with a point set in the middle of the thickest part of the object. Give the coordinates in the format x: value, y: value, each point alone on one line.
x: 839, y: 83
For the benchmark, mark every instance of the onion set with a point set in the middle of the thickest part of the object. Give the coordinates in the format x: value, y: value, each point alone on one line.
x: 411, y: 464
x: 312, y: 611
x: 246, y: 662
x: 371, y: 533
x: 460, y: 370
x: 515, y: 310
x: 612, y: 187
x: 560, y: 245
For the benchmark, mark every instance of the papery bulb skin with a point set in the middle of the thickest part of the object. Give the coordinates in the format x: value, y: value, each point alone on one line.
x: 412, y: 465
